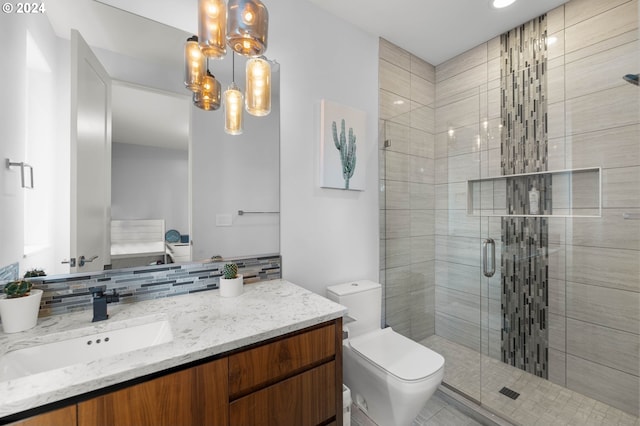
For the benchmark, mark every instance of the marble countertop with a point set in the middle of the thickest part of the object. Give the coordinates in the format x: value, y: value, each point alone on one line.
x: 203, y: 324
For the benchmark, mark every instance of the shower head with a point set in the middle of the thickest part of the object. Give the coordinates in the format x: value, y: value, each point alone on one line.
x: 631, y: 78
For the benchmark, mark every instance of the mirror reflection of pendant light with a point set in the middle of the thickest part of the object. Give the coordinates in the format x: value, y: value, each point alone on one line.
x: 258, y: 87
x: 194, y: 62
x: 212, y: 28
x: 208, y: 98
x: 233, y: 103
x: 247, y: 27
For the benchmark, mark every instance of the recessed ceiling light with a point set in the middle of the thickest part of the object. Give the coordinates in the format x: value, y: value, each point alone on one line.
x: 499, y: 4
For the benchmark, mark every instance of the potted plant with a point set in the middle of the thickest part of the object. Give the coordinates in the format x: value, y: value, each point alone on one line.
x: 19, y: 306
x: 34, y: 273
x: 231, y: 283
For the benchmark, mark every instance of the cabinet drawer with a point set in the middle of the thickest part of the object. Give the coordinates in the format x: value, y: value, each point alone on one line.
x: 308, y: 399
x: 264, y: 365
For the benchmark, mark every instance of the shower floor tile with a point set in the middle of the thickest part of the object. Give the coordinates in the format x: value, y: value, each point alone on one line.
x: 541, y: 402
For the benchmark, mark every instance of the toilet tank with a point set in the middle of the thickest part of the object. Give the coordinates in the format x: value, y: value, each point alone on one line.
x: 363, y: 300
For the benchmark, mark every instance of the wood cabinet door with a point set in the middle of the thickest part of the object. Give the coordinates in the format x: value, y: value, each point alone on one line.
x: 308, y: 399
x: 62, y: 417
x: 197, y: 396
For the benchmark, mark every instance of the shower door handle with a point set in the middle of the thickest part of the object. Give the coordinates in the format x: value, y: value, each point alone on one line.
x: 485, y: 261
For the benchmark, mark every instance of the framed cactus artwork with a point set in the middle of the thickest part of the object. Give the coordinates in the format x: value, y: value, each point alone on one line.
x: 342, y: 147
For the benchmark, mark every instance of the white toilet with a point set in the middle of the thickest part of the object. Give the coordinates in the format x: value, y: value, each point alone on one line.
x: 390, y: 376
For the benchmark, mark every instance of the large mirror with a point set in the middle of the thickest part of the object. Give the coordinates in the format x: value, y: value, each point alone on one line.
x: 174, y: 183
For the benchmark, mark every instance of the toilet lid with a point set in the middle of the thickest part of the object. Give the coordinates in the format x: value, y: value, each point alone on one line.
x: 398, y: 355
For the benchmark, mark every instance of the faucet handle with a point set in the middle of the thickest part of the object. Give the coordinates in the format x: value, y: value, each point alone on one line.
x: 98, y: 291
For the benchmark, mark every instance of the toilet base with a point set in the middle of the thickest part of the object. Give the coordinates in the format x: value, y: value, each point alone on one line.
x: 387, y: 400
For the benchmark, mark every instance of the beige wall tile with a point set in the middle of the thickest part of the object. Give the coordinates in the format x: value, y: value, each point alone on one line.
x: 555, y: 83
x: 397, y: 166
x: 601, y: 71
x: 422, y: 196
x: 451, y: 195
x: 556, y: 45
x: 422, y: 118
x: 398, y: 252
x: 469, y: 59
x: 396, y: 195
x: 421, y: 143
x: 556, y: 120
x: 398, y: 223
x: 555, y: 20
x: 609, y: 148
x: 611, y: 230
x: 605, y: 384
x: 606, y: 267
x: 595, y: 343
x: 606, y: 109
x: 422, y: 91
x: 392, y: 53
x: 609, y: 24
x: 390, y: 109
x: 394, y: 79
x: 458, y: 114
x: 604, y: 306
x: 557, y: 332
x: 422, y: 222
x: 463, y: 250
x: 463, y: 140
x: 455, y: 276
x: 458, y: 331
x: 578, y: 11
x: 463, y: 167
x: 458, y: 304
x: 493, y: 48
x: 557, y: 297
x: 423, y: 278
x: 456, y: 223
x: 398, y: 135
x: 557, y: 261
x: 421, y: 169
x: 423, y: 249
x: 556, y: 154
x: 463, y: 85
x: 557, y: 367
x: 620, y: 187
x: 423, y: 69
x: 600, y: 46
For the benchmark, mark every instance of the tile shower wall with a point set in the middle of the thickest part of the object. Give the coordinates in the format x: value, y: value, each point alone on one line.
x: 406, y: 89
x: 69, y: 293
x: 594, y: 273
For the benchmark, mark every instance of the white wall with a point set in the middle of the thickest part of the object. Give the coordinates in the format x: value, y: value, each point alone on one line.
x: 328, y: 236
x: 150, y: 182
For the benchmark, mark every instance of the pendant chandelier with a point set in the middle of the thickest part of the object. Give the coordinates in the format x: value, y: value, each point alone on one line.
x: 241, y: 25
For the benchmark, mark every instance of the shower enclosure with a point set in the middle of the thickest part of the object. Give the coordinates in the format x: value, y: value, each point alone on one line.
x: 509, y: 211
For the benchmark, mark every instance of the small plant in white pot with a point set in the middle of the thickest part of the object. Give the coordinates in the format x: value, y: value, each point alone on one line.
x: 19, y: 306
x: 231, y: 284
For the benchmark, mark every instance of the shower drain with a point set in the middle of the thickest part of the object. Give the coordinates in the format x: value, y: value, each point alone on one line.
x: 510, y: 393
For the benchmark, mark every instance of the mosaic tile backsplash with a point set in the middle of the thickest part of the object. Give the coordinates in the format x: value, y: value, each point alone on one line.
x: 524, y: 257
x: 69, y: 293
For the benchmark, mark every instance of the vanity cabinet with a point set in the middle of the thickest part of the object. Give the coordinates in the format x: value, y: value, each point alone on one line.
x: 294, y: 380
x: 61, y: 417
x: 195, y: 396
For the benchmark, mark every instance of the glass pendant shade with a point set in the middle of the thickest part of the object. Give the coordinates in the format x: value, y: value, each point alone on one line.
x: 212, y: 28
x: 258, y: 94
x: 208, y: 98
x: 194, y: 62
x: 233, y: 106
x: 247, y: 27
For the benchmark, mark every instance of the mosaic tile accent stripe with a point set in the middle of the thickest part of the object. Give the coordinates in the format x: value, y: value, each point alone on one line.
x: 524, y: 258
x: 68, y: 293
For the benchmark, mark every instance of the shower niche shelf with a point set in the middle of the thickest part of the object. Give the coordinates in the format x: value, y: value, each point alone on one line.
x: 569, y: 193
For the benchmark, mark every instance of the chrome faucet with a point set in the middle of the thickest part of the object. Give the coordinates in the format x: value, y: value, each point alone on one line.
x: 100, y: 301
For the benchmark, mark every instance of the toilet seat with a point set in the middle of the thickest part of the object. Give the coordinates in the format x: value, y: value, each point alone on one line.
x: 397, y: 355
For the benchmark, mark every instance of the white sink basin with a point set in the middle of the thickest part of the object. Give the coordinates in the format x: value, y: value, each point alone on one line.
x: 41, y: 357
